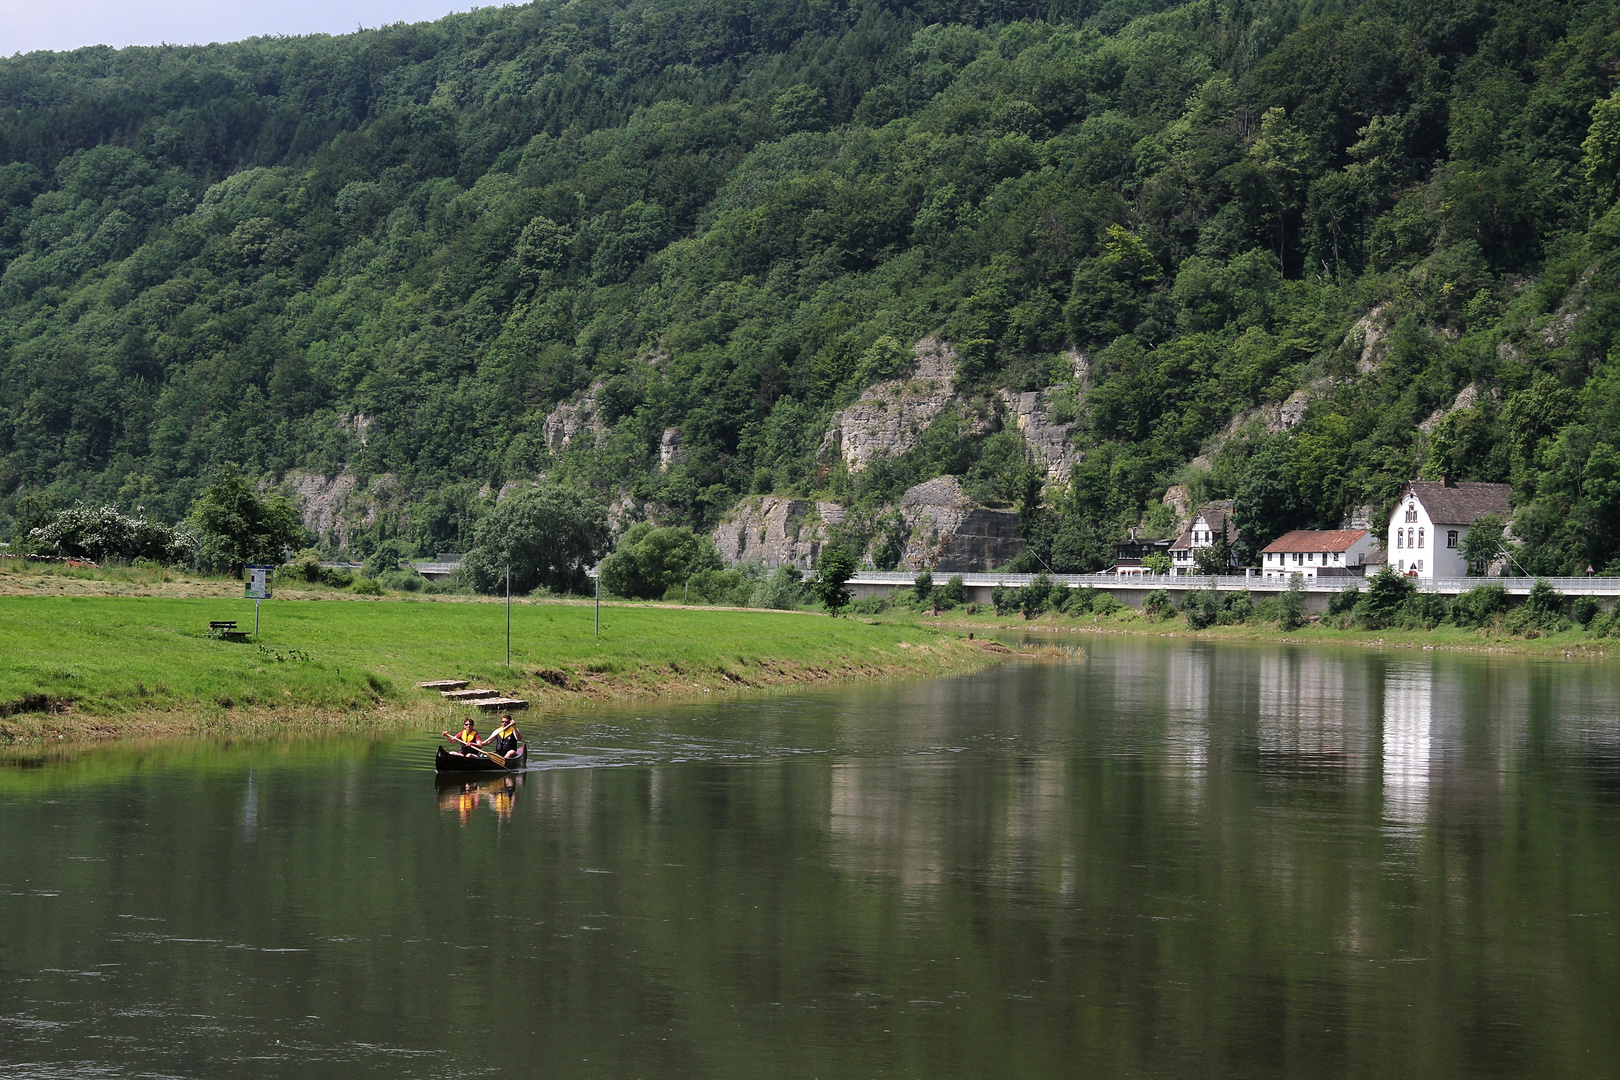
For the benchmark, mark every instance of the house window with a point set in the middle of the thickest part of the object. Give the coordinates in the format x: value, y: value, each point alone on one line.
x: 1451, y: 538
x: 1411, y: 541
x: 1338, y: 557
x: 1400, y: 538
x: 1420, y: 538
x: 1420, y: 564
x: 1401, y: 565
x: 1411, y: 512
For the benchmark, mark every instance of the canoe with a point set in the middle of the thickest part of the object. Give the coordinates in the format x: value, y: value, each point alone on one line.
x: 445, y: 761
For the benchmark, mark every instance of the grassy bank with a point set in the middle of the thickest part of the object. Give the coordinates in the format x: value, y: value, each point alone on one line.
x: 78, y: 667
x: 1569, y: 644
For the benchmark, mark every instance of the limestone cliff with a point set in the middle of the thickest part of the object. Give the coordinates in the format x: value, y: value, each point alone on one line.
x: 334, y: 508
x: 889, y: 417
x: 775, y: 530
x: 948, y: 531
x: 953, y: 534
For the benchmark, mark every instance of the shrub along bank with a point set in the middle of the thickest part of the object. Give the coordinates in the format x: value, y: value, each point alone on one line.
x: 1385, y: 603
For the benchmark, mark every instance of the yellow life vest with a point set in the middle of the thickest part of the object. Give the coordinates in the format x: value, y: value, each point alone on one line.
x: 466, y: 736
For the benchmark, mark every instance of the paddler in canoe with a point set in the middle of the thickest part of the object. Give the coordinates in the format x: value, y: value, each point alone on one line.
x: 465, y: 739
x: 505, y: 740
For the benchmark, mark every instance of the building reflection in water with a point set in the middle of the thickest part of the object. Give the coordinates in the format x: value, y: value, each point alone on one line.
x: 463, y: 794
x: 1407, y: 743
x: 1307, y: 711
x: 1189, y: 692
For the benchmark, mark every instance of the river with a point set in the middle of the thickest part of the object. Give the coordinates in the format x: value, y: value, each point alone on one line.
x: 1154, y: 858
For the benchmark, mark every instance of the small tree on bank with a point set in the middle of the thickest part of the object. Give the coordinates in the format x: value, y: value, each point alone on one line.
x: 1484, y: 544
x: 548, y: 535
x: 833, y: 571
x: 236, y: 526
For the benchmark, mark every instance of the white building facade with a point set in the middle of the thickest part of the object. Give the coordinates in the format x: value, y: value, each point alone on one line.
x: 1431, y: 520
x: 1313, y: 553
x: 1212, y: 520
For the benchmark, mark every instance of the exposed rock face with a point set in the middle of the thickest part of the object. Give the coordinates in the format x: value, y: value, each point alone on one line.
x: 668, y: 447
x: 1372, y: 328
x: 889, y: 417
x: 335, y: 508
x: 1048, y: 441
x: 776, y: 531
x: 952, y: 533
x: 1179, y: 499
x: 570, y: 419
x: 1466, y: 398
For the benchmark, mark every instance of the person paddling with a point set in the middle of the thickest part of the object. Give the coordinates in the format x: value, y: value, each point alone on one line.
x: 467, y: 737
x: 505, y: 739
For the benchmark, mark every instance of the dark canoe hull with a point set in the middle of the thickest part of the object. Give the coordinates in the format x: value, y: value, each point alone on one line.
x: 446, y: 762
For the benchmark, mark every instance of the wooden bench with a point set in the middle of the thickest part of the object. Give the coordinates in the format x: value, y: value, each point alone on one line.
x: 226, y: 629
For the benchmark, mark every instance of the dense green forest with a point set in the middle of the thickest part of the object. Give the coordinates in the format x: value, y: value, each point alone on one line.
x: 395, y: 252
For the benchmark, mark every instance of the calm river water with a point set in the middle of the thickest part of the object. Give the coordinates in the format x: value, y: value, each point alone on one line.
x: 1157, y: 859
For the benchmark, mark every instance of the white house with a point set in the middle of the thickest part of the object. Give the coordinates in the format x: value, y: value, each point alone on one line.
x: 1211, y: 520
x: 1430, y: 521
x: 1313, y: 553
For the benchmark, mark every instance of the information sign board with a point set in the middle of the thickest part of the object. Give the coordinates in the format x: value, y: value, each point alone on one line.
x: 258, y: 582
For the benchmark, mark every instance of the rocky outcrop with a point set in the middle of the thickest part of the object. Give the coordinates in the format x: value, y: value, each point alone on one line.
x: 889, y: 417
x: 669, y: 447
x: 1050, y: 442
x: 334, y: 508
x: 1369, y: 335
x: 952, y: 533
x: 947, y: 530
x: 775, y: 531
x: 1467, y: 398
x: 570, y: 419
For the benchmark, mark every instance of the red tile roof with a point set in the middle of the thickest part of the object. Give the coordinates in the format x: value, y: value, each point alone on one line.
x: 1316, y: 540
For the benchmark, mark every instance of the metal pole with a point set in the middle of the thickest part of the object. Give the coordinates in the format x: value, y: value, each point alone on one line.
x: 256, y: 619
x: 508, y: 614
x: 599, y: 604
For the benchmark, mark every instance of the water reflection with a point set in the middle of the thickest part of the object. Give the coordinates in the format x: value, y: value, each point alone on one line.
x: 1161, y: 859
x: 462, y: 794
x: 1407, y: 743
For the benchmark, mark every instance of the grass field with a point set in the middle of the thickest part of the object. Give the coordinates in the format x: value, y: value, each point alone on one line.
x: 102, y: 666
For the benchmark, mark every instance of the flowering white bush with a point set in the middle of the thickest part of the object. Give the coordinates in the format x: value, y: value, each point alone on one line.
x: 102, y: 532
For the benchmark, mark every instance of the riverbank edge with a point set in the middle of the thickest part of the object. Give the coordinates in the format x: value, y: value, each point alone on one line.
x: 60, y: 723
x: 1570, y: 645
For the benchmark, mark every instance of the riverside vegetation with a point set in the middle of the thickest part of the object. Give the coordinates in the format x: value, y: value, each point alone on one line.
x: 1387, y: 609
x: 387, y: 258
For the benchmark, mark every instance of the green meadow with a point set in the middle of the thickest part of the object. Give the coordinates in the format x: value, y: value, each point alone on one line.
x: 99, y: 666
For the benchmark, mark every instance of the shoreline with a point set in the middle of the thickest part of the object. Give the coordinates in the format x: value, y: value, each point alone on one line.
x: 1570, y: 645
x: 100, y: 669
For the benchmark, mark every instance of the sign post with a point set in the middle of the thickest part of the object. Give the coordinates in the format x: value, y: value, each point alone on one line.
x: 258, y: 590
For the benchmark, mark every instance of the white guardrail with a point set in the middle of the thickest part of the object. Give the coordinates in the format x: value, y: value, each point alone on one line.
x: 1577, y: 586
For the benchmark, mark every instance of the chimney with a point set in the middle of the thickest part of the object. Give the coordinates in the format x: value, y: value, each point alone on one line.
x: 1446, y: 481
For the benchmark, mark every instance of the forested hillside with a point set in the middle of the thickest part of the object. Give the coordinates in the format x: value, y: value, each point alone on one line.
x: 394, y: 254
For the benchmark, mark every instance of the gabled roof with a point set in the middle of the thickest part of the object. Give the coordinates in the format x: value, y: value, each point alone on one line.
x: 1460, y: 502
x: 1315, y: 540
x: 1219, y: 516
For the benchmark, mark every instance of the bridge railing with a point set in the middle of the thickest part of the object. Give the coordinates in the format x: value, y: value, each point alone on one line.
x: 1604, y: 586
